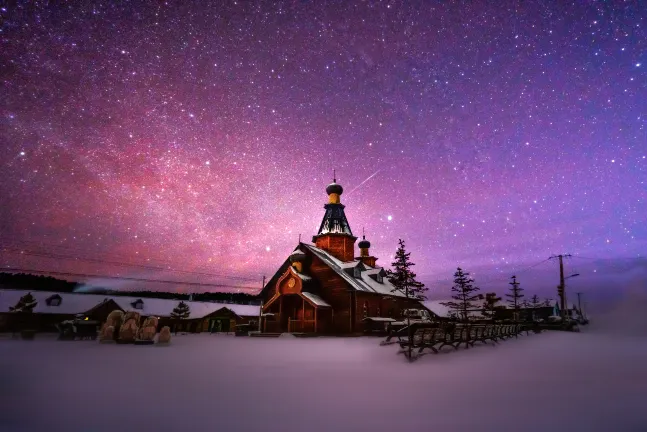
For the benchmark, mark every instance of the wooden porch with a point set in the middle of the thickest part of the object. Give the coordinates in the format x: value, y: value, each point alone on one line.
x: 293, y: 313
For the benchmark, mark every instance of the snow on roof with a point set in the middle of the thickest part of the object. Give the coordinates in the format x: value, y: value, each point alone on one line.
x: 301, y: 276
x: 164, y: 307
x: 379, y: 319
x: 73, y: 303
x: 314, y: 298
x: 243, y: 310
x: 374, y: 271
x: 70, y: 303
x: 363, y: 283
x: 436, y: 307
x: 443, y: 311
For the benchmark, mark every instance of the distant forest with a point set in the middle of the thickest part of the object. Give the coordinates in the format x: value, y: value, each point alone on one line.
x: 48, y: 283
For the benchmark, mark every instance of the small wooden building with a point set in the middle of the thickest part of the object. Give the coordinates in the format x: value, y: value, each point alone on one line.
x: 53, y: 308
x: 324, y: 288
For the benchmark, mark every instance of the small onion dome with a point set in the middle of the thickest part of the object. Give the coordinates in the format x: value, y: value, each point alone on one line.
x: 297, y: 256
x: 364, y: 244
x: 334, y: 188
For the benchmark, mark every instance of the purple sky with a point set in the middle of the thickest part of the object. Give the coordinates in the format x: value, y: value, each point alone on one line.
x: 202, y: 136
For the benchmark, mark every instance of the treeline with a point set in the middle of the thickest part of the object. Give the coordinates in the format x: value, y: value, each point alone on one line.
x: 219, y: 297
x: 36, y: 283
x: 31, y: 282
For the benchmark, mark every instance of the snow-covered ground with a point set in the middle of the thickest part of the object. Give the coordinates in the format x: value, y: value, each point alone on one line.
x: 550, y: 381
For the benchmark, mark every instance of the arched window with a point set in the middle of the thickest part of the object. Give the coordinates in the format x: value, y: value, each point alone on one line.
x: 379, y: 312
x: 365, y: 309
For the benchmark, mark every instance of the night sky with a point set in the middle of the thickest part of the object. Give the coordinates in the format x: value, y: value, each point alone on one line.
x: 201, y: 136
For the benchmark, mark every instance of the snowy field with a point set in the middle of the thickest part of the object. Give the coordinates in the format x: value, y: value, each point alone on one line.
x: 552, y: 381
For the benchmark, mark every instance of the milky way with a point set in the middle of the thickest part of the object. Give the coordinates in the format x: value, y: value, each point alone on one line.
x: 202, y: 135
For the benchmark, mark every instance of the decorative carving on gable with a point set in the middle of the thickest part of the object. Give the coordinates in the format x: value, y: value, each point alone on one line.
x: 289, y: 283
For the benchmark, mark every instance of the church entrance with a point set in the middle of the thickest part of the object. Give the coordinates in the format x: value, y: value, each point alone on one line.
x: 291, y: 311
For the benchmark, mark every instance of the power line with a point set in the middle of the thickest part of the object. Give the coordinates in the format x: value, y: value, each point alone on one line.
x: 67, y: 249
x: 122, y: 264
x: 47, y: 254
x: 523, y: 270
x: 586, y: 258
x: 15, y: 269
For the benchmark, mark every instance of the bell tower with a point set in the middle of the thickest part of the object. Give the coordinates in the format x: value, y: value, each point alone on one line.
x: 335, y: 236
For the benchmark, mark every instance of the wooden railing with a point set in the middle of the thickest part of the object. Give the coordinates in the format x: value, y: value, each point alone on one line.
x: 301, y: 326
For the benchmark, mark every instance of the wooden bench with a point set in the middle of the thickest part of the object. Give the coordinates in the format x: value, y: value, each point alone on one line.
x: 413, y: 340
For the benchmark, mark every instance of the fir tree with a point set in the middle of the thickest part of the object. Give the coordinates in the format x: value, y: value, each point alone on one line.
x: 180, y: 312
x: 535, y: 303
x: 490, y: 305
x: 464, y: 295
x: 547, y: 303
x: 402, y: 278
x: 514, y: 297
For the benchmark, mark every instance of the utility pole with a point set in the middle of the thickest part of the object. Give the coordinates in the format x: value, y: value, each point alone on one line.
x: 579, y: 304
x: 515, y: 298
x: 260, y: 311
x: 560, y: 288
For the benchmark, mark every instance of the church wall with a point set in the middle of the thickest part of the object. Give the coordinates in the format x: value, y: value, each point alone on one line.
x: 334, y: 290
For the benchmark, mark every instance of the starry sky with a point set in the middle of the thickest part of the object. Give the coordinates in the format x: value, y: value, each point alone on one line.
x: 198, y: 137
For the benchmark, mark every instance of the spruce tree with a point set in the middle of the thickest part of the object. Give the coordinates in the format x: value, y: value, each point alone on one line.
x: 547, y: 303
x: 514, y: 297
x: 401, y: 276
x: 535, y: 303
x: 490, y: 305
x: 179, y: 313
x: 464, y: 296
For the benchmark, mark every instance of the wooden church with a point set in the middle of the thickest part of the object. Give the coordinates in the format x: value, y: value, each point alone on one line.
x: 324, y: 288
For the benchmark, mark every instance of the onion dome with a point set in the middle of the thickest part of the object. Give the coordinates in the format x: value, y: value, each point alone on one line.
x: 334, y: 188
x: 297, y: 256
x: 364, y: 244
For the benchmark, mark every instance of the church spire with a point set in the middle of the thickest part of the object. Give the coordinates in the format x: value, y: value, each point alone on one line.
x: 334, y: 220
x: 335, y: 235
